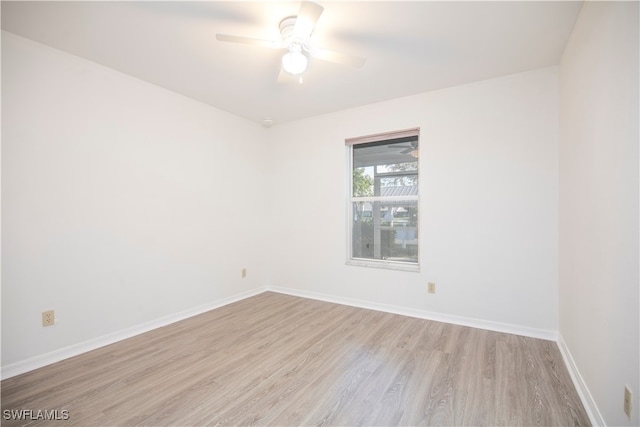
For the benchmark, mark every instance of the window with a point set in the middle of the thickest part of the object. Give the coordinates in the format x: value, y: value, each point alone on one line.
x: 383, y: 201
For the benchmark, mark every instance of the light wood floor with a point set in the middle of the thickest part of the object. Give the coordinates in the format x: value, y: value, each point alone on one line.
x: 280, y: 360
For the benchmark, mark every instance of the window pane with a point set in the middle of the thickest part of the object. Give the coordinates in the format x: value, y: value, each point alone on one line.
x: 385, y: 230
x: 380, y: 169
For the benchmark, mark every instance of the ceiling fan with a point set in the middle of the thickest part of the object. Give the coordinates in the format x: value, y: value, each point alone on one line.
x: 411, y: 150
x: 295, y: 42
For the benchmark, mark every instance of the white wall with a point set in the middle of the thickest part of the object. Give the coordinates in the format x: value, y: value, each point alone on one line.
x: 123, y: 203
x: 489, y: 205
x: 598, y: 250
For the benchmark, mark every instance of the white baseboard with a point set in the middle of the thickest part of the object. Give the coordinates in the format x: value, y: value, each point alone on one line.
x: 36, y: 362
x: 544, y: 334
x: 583, y: 391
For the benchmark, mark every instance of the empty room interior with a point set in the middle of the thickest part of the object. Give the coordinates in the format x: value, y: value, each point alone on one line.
x: 327, y: 213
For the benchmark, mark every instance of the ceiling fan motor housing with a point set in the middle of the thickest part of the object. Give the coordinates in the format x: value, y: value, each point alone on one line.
x: 289, y: 38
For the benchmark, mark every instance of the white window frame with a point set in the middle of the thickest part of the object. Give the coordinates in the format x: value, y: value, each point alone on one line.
x: 351, y: 199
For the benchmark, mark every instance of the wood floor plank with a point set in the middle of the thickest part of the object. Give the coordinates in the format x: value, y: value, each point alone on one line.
x: 275, y: 359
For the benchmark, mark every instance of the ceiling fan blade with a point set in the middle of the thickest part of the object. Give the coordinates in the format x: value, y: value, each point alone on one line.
x: 337, y: 57
x: 247, y: 40
x: 307, y: 18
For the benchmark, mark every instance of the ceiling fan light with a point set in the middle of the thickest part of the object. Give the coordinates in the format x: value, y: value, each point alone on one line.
x: 294, y: 62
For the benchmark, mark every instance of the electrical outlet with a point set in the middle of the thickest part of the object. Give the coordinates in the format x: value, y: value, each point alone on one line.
x: 244, y: 273
x: 627, y: 401
x: 431, y: 287
x: 48, y: 318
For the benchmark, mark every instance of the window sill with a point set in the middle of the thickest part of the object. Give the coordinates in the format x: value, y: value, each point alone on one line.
x: 389, y: 265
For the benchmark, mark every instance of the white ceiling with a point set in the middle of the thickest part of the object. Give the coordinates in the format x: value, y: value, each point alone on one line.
x: 411, y: 47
